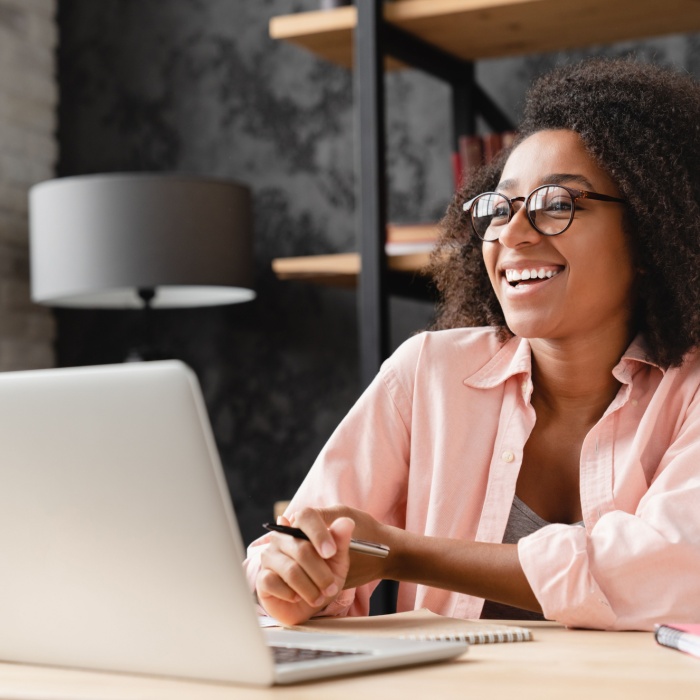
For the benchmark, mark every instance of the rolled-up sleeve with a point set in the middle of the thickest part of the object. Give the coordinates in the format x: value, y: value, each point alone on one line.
x: 628, y: 570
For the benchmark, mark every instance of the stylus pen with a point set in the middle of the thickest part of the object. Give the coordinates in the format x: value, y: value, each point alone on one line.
x: 372, y: 548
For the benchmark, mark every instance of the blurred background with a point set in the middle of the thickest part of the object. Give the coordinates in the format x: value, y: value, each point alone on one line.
x: 198, y: 87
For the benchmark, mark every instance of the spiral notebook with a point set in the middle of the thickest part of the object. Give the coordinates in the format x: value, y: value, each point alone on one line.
x: 420, y: 624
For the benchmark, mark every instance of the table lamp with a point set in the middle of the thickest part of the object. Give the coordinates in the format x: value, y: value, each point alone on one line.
x: 135, y: 240
x: 140, y: 241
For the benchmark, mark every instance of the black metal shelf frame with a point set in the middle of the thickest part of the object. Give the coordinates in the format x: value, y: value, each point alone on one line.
x: 374, y: 40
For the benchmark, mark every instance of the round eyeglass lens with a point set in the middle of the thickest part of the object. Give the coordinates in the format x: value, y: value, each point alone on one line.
x: 489, y: 212
x: 550, y: 209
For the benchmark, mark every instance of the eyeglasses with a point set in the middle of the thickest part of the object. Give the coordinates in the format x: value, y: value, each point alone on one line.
x: 549, y: 208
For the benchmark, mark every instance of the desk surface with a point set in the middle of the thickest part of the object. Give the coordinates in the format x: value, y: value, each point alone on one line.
x: 559, y: 663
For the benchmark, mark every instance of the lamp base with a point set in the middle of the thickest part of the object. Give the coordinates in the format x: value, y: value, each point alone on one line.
x: 146, y: 352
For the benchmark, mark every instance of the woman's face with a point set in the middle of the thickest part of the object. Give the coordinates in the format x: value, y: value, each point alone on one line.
x: 590, y: 287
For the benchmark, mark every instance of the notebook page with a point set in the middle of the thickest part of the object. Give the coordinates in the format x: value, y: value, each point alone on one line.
x: 419, y: 624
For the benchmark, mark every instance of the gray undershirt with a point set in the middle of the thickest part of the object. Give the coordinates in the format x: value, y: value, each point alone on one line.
x: 522, y: 521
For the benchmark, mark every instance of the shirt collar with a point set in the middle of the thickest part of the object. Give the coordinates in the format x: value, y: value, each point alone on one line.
x: 636, y: 354
x: 515, y: 358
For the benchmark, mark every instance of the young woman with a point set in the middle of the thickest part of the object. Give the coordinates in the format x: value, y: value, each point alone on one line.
x: 540, y: 452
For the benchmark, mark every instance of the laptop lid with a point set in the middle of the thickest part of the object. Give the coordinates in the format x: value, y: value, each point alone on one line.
x: 118, y: 543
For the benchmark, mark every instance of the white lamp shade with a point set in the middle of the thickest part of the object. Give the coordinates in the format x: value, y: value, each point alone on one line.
x: 96, y: 240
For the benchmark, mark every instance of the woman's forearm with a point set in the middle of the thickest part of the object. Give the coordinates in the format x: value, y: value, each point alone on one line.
x: 485, y: 570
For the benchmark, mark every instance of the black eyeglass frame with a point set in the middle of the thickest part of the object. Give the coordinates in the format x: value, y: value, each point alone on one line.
x: 574, y: 193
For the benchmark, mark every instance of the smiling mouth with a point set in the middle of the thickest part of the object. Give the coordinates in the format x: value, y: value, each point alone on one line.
x: 521, y: 277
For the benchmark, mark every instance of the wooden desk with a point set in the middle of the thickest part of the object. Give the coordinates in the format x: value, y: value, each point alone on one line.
x: 559, y: 664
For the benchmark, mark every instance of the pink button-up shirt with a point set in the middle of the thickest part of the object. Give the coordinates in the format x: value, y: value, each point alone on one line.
x: 435, y: 445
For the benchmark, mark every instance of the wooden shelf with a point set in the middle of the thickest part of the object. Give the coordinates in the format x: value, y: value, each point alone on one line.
x: 341, y: 270
x: 474, y: 29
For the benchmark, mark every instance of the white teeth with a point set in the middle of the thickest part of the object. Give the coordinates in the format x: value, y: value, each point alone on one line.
x: 518, y: 275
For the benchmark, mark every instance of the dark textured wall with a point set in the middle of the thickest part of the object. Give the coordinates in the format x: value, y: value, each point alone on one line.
x: 196, y: 86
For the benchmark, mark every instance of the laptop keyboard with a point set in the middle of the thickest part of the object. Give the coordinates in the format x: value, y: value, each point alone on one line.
x: 288, y: 655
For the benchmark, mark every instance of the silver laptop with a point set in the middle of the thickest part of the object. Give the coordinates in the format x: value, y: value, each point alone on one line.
x: 119, y: 548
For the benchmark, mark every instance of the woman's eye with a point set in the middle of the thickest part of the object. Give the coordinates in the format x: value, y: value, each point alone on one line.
x: 500, y: 212
x: 560, y: 204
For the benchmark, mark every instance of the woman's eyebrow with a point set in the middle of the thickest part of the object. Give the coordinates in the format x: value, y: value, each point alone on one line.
x: 506, y: 184
x: 551, y: 179
x: 562, y: 178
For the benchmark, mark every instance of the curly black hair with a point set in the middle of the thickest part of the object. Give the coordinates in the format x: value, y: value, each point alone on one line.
x: 641, y: 124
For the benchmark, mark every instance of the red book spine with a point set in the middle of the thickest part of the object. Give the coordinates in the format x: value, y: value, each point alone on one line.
x: 471, y: 154
x: 492, y: 145
x: 457, y: 170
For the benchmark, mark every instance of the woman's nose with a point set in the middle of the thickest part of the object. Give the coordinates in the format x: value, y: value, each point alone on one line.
x: 519, y: 231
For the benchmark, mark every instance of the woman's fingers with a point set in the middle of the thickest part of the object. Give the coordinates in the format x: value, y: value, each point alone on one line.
x: 311, y: 521
x: 341, y: 530
x: 270, y: 585
x: 298, y: 568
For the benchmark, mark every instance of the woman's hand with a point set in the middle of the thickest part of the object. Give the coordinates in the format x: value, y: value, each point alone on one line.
x: 298, y: 578
x: 365, y: 568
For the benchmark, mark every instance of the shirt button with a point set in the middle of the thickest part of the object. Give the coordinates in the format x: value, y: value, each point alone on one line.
x: 634, y: 402
x: 507, y: 456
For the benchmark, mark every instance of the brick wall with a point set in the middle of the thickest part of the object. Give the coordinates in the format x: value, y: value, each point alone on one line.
x: 28, y: 154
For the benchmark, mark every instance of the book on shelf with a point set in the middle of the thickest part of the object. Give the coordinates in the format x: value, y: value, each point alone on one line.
x: 474, y: 150
x: 471, y: 156
x: 492, y: 145
x: 684, y: 637
x: 420, y: 624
